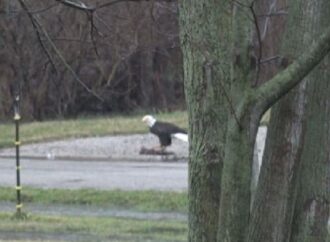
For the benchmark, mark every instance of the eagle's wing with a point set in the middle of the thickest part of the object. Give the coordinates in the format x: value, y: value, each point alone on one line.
x: 165, y: 130
x: 169, y: 128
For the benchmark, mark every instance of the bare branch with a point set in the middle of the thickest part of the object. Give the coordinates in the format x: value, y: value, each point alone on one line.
x: 43, y: 9
x: 255, y: 20
x: 91, y: 17
x: 35, y: 26
x: 273, y: 58
x: 236, y: 2
x: 77, y: 5
x: 118, y: 1
x: 39, y: 29
x: 279, y: 13
x: 31, y: 11
x: 102, y: 22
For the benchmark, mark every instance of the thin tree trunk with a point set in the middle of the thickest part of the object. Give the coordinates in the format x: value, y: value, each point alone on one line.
x: 271, y: 21
x: 275, y: 195
x: 236, y: 180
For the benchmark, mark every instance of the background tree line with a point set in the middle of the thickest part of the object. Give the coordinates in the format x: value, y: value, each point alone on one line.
x: 128, y: 55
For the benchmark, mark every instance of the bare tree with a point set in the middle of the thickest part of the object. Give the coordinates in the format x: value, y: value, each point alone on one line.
x: 93, y: 56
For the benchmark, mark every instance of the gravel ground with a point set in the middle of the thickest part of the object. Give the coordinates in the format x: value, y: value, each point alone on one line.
x: 120, y: 147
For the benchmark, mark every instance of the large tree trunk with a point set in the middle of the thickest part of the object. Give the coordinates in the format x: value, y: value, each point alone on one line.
x: 312, y: 208
x: 206, y: 73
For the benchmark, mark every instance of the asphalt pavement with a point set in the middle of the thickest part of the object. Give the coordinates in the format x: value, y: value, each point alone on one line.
x: 103, y: 175
x: 105, y: 163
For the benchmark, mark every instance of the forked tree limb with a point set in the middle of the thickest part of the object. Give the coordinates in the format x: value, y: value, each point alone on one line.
x: 270, y: 92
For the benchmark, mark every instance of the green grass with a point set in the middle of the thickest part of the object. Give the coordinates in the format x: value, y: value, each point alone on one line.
x: 60, y: 228
x: 146, y: 201
x: 85, y: 228
x: 83, y: 127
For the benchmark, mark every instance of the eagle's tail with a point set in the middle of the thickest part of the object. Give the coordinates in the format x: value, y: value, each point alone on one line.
x: 181, y: 136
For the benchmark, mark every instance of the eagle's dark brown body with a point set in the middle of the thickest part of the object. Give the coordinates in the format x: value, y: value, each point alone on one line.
x: 164, y: 131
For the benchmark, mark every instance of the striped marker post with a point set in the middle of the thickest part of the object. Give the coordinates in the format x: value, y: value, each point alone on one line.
x: 17, y: 143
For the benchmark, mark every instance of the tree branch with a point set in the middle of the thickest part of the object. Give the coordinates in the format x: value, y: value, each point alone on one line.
x: 77, y: 5
x: 118, y: 1
x: 83, y: 7
x: 93, y: 27
x: 270, y: 92
x: 255, y: 20
x: 35, y: 26
x: 40, y: 30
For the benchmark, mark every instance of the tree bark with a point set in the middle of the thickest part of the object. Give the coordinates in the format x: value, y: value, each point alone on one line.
x: 235, y: 194
x: 272, y: 209
x: 312, y: 208
x: 206, y: 72
x: 224, y: 110
x: 274, y: 206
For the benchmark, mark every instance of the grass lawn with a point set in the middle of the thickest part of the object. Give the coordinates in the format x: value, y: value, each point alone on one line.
x: 94, y: 228
x: 143, y: 201
x: 61, y: 228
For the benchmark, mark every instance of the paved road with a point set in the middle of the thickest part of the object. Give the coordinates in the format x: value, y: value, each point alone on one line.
x: 105, y: 175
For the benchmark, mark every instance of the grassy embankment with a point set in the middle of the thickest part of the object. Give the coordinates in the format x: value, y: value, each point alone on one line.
x: 83, y: 127
x: 62, y: 228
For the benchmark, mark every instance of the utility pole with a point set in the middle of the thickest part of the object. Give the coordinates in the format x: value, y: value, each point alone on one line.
x: 17, y: 118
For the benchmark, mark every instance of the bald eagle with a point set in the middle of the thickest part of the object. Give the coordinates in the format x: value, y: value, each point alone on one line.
x: 165, y: 131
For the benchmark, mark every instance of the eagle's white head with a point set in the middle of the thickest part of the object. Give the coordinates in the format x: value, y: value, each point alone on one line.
x: 149, y: 120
